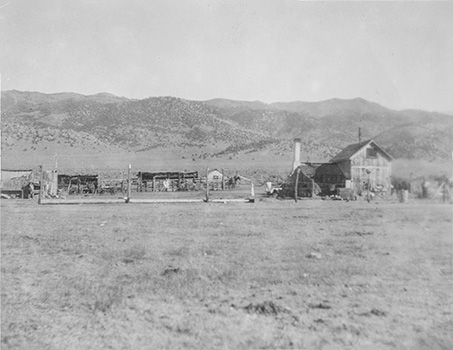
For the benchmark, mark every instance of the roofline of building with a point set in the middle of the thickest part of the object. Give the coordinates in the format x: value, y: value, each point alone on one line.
x: 16, y: 170
x: 365, y: 143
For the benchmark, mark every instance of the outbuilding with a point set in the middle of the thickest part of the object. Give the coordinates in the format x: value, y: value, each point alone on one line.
x: 215, y: 176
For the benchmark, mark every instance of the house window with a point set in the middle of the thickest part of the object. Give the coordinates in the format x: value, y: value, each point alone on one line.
x: 371, y: 153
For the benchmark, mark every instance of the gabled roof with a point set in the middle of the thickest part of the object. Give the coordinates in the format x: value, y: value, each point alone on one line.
x: 330, y: 169
x: 173, y: 175
x: 348, y: 152
x: 8, y: 174
x: 81, y: 177
x: 312, y: 170
x: 14, y: 170
x: 307, y: 169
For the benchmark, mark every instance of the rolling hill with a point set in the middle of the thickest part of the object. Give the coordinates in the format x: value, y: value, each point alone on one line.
x: 38, y: 125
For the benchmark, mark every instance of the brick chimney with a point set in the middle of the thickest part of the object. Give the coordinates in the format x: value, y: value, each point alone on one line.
x: 296, y: 162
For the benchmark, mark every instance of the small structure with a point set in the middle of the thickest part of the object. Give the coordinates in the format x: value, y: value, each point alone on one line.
x: 13, y: 182
x: 215, y: 179
x: 20, y: 183
x: 215, y: 175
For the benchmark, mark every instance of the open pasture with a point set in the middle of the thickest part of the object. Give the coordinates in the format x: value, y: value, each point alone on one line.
x: 273, y: 274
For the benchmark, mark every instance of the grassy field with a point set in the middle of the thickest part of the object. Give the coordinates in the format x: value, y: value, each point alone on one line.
x: 273, y: 274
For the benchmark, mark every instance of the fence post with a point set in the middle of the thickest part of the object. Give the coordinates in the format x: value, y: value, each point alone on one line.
x: 207, y: 185
x: 41, y: 180
x: 128, y: 184
x: 296, y: 185
x: 252, y: 192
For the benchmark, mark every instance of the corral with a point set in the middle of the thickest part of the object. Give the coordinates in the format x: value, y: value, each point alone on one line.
x: 167, y: 181
x: 277, y: 274
x: 78, y: 184
x: 143, y: 188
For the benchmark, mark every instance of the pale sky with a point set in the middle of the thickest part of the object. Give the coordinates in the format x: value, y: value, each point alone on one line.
x: 398, y: 54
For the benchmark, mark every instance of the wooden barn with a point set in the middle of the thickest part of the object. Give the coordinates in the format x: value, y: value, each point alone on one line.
x: 365, y: 165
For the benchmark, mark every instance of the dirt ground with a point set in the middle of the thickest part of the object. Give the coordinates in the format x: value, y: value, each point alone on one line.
x: 265, y: 275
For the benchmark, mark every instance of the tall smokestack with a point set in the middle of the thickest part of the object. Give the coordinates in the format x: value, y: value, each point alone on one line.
x: 296, y: 162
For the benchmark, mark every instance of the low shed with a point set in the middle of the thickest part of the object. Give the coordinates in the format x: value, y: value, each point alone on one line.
x: 14, y: 181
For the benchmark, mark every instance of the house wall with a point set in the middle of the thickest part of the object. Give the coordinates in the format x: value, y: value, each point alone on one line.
x: 378, y: 166
x: 305, y: 186
x: 215, y: 176
x: 330, y: 177
x: 329, y: 183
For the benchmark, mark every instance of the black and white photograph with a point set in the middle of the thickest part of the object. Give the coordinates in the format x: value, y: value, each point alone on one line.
x: 226, y: 174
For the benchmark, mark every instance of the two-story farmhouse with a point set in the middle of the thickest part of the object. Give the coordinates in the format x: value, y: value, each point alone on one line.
x: 364, y: 164
x: 358, y: 166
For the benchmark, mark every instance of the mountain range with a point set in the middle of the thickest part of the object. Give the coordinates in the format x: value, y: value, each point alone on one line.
x: 36, y: 124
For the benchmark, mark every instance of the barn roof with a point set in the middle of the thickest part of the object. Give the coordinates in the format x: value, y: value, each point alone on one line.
x: 315, y: 169
x: 167, y: 174
x: 81, y: 177
x: 8, y: 174
x: 15, y: 170
x: 330, y: 169
x: 214, y: 170
x: 308, y: 169
x: 349, y: 151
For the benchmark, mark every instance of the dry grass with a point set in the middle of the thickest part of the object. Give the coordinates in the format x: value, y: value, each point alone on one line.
x: 273, y: 274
